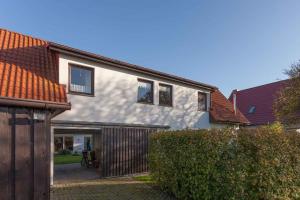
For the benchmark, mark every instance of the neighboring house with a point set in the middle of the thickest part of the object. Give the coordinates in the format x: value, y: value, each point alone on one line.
x: 257, y: 103
x: 114, y: 103
x: 72, y: 142
x: 223, y: 113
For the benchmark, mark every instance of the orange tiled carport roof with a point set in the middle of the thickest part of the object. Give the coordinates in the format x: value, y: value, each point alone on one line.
x: 29, y: 70
x: 222, y: 110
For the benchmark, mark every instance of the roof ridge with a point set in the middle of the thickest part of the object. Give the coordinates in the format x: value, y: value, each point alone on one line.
x: 250, y: 88
x: 109, y: 59
x: 26, y: 35
x: 67, y: 49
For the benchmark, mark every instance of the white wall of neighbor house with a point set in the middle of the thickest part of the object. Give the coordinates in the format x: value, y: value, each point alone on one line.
x: 218, y: 126
x: 78, y: 141
x: 224, y: 125
x: 115, y: 99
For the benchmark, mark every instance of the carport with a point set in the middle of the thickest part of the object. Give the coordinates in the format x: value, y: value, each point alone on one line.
x: 121, y: 149
x: 72, y: 172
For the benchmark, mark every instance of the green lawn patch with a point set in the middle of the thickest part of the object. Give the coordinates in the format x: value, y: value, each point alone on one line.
x: 66, y: 159
x: 144, y: 178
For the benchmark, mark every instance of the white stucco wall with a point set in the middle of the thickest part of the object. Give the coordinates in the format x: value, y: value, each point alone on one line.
x: 218, y: 126
x: 78, y: 143
x: 221, y: 126
x: 115, y: 99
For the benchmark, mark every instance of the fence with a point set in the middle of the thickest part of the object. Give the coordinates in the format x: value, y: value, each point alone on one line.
x: 122, y: 151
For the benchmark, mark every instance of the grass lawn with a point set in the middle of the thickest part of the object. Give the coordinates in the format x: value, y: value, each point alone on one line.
x: 66, y: 159
x: 144, y: 178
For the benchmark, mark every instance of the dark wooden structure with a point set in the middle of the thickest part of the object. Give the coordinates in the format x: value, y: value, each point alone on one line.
x: 24, y: 153
x: 122, y: 150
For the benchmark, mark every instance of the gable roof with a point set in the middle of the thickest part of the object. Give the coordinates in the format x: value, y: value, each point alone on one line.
x: 124, y: 65
x: 222, y: 110
x: 29, y: 70
x: 261, y: 98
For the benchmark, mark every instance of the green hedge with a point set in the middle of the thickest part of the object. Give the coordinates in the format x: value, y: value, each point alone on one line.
x: 226, y: 164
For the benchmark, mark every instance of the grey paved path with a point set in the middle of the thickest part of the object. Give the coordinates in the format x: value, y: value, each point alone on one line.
x: 107, y: 189
x: 73, y: 173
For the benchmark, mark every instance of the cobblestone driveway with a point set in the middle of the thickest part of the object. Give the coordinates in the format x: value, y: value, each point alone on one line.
x: 106, y: 189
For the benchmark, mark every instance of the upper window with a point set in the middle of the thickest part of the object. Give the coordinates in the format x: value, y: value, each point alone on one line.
x: 81, y: 80
x: 252, y: 109
x: 165, y: 95
x: 145, y: 91
x: 202, y: 101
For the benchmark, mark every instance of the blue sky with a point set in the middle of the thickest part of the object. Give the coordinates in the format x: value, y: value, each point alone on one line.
x: 230, y: 44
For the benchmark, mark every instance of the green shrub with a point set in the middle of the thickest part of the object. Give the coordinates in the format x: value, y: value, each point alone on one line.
x: 259, y: 163
x: 64, y: 152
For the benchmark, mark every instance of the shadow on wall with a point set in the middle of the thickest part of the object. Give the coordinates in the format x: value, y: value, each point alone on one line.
x: 26, y: 62
x: 116, y: 101
x: 31, y: 56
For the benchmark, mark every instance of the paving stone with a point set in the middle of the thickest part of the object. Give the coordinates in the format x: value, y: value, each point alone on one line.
x: 107, y: 189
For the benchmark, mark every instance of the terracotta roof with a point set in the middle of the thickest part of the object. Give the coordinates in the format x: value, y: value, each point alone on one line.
x: 261, y: 98
x: 222, y: 110
x: 28, y: 69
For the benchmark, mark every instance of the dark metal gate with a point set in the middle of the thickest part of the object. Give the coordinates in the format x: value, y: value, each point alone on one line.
x: 122, y: 150
x: 24, y: 155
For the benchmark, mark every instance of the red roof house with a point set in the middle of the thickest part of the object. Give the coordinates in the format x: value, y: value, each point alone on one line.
x: 257, y: 103
x: 222, y: 111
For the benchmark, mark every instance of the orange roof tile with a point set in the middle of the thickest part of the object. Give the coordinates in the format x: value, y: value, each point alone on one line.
x: 222, y: 110
x: 28, y: 69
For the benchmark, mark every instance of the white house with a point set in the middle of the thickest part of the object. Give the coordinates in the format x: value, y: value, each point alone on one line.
x: 113, y: 105
x: 101, y: 92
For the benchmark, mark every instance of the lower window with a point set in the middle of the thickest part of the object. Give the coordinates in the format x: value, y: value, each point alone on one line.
x: 58, y: 144
x: 69, y: 143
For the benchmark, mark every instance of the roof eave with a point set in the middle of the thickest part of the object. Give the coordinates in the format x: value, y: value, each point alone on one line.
x: 120, y: 64
x: 18, y: 102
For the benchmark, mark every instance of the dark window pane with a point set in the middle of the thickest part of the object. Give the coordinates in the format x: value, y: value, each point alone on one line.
x: 202, y: 101
x: 165, y: 95
x: 81, y: 80
x: 69, y: 143
x: 145, y: 91
x: 58, y: 144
